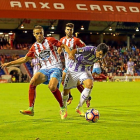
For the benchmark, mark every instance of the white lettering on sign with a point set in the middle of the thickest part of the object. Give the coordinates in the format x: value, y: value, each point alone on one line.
x: 44, y: 5
x: 108, y: 7
x: 58, y: 6
x: 30, y: 3
x: 81, y: 6
x: 15, y: 3
x: 94, y: 7
x: 78, y: 6
x: 134, y: 9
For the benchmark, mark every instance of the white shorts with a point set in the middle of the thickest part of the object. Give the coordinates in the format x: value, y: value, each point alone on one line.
x: 131, y: 72
x: 35, y: 71
x: 73, y: 77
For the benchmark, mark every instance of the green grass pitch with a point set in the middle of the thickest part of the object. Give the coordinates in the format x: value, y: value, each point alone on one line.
x: 118, y: 104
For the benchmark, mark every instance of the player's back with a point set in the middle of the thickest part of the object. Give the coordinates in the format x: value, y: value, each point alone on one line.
x: 84, y: 60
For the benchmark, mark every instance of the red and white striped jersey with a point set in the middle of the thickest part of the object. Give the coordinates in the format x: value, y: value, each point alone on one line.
x: 46, y: 52
x: 72, y: 43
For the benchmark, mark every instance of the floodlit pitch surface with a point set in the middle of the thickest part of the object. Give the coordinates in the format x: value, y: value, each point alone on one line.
x: 118, y: 104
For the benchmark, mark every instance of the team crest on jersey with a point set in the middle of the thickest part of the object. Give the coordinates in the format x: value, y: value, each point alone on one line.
x: 44, y: 54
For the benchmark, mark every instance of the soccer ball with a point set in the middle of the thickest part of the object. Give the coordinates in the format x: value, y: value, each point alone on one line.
x: 92, y: 115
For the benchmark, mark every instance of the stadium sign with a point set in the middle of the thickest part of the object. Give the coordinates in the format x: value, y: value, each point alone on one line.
x: 33, y: 5
x: 81, y: 7
x: 71, y: 10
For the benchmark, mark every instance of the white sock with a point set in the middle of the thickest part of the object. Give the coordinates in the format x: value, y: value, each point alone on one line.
x: 65, y: 98
x: 126, y: 78
x: 84, y: 96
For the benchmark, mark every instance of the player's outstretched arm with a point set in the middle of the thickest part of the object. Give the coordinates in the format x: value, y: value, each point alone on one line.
x: 66, y: 48
x: 18, y: 61
x: 71, y: 53
x: 63, y: 46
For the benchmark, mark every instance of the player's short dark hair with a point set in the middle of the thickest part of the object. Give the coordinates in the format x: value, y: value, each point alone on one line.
x: 71, y: 25
x: 102, y: 47
x: 38, y: 27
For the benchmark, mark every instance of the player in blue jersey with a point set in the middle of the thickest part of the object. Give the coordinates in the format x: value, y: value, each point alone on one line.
x: 80, y: 70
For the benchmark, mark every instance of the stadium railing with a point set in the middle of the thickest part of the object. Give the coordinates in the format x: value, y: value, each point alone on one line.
x: 123, y: 78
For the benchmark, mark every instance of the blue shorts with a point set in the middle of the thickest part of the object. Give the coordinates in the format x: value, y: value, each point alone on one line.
x: 96, y: 70
x: 65, y: 70
x: 54, y: 72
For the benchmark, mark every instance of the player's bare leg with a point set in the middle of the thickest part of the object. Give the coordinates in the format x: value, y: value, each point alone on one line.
x: 53, y: 88
x: 37, y: 79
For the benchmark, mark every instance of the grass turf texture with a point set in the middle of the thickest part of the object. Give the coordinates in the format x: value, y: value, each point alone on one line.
x: 118, y: 104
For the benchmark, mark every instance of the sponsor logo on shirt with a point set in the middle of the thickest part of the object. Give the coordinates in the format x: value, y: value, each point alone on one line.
x: 44, y: 54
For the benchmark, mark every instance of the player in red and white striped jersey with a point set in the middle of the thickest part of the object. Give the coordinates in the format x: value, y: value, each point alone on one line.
x: 45, y: 49
x: 73, y: 43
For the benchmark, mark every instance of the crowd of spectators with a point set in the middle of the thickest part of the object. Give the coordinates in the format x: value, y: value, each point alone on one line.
x: 24, y: 46
x: 4, y: 44
x: 18, y: 46
x: 117, y: 59
x: 7, y: 58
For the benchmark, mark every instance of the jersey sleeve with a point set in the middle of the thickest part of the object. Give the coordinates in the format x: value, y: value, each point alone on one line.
x: 80, y: 43
x: 55, y: 42
x: 31, y: 52
x: 61, y: 39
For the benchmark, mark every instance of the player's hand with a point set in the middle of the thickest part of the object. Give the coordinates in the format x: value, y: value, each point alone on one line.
x: 62, y: 46
x: 38, y: 63
x: 5, y: 65
x: 59, y: 50
x: 71, y: 56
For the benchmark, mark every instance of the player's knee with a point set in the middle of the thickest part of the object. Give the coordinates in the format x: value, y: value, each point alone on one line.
x: 52, y: 87
x: 89, y: 86
x: 33, y: 82
x: 35, y: 79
